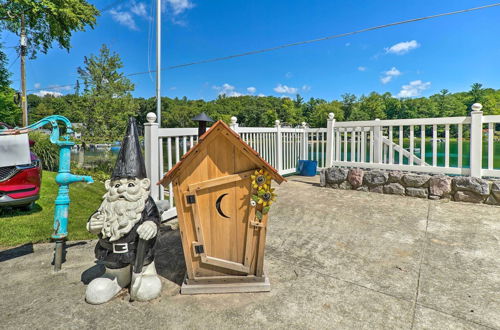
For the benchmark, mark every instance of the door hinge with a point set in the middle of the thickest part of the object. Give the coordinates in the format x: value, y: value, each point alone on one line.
x: 191, y: 199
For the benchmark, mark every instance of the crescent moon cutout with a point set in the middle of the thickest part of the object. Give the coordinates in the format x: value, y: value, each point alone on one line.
x: 217, y: 206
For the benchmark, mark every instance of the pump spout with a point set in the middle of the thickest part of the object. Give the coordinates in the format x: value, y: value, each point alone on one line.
x: 68, y: 178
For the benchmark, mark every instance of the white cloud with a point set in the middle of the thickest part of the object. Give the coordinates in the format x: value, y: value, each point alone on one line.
x: 43, y: 93
x: 361, y: 68
x: 414, y: 88
x: 37, y: 85
x: 402, y: 47
x: 179, y: 6
x: 288, y: 75
x: 139, y: 9
x: 306, y: 88
x: 228, y: 90
x: 388, y: 75
x: 251, y: 90
x: 284, y: 89
x: 261, y: 95
x: 124, y: 18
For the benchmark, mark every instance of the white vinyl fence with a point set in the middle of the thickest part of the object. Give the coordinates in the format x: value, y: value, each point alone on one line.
x: 418, y: 145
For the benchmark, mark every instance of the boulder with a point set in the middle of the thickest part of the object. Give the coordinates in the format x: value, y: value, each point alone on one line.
x: 475, y: 185
x: 468, y: 196
x: 495, y: 189
x: 363, y: 188
x: 434, y: 197
x: 395, y: 177
x: 440, y: 185
x: 377, y: 189
x: 417, y: 192
x: 335, y: 175
x: 416, y: 180
x: 355, y: 177
x: 375, y: 178
x: 394, y: 189
x: 345, y: 185
x: 491, y: 200
x: 333, y: 185
x: 322, y: 178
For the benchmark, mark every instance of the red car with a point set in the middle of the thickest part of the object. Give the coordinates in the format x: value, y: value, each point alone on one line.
x: 20, y: 185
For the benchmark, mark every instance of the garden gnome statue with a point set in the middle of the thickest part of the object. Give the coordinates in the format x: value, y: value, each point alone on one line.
x: 127, y: 223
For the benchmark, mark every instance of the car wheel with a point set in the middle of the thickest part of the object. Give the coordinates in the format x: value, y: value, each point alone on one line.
x: 28, y: 207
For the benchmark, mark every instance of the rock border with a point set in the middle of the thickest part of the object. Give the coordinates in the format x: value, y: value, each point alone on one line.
x: 435, y: 187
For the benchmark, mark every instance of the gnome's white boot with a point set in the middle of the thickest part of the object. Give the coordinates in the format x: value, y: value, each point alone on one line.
x: 146, y: 285
x: 104, y: 288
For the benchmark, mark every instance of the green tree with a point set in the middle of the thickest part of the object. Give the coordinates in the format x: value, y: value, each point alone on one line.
x: 107, y: 102
x: 10, y: 113
x: 47, y: 21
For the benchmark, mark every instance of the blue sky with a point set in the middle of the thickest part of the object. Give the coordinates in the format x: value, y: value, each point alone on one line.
x: 407, y: 60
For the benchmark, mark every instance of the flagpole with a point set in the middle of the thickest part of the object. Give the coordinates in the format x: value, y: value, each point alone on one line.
x: 158, y: 61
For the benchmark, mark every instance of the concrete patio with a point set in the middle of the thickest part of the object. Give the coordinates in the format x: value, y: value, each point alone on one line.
x: 336, y: 259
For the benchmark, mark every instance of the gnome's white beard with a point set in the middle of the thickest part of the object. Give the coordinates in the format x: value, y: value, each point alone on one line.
x: 121, y: 215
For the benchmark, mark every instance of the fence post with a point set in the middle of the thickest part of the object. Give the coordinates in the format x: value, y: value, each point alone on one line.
x: 476, y: 140
x: 151, y: 146
x: 305, y: 142
x: 279, y: 147
x: 330, y: 124
x: 234, y: 123
x: 377, y: 143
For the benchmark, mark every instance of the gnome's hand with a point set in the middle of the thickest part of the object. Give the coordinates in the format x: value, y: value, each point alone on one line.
x: 147, y: 230
x: 96, y: 222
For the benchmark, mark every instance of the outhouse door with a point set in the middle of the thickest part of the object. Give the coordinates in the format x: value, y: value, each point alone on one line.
x: 223, y: 221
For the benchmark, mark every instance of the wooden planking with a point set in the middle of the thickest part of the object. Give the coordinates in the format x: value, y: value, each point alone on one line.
x: 250, y: 285
x: 220, y: 180
x: 185, y: 228
x: 261, y: 247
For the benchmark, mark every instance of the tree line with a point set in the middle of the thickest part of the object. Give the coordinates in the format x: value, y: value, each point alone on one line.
x: 102, y: 102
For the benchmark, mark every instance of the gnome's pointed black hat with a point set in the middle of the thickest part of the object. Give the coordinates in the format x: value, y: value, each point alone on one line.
x: 130, y: 162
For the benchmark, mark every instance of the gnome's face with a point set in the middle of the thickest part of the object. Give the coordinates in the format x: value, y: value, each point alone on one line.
x: 122, y: 205
x: 127, y: 189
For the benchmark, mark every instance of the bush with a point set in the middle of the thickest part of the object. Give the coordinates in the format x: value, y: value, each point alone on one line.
x: 46, y: 151
x: 97, y: 175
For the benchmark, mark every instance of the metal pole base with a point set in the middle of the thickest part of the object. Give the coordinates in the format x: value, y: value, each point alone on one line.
x: 58, y: 254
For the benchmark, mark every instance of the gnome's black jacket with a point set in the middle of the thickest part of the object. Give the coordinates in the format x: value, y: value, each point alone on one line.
x: 104, y: 248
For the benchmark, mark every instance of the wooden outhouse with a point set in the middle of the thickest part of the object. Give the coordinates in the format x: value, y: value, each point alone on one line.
x: 222, y: 194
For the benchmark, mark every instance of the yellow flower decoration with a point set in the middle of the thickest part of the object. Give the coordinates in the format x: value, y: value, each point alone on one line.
x: 261, y: 180
x: 266, y: 197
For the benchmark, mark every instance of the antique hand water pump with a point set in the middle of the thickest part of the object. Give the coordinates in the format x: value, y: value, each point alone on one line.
x: 64, y: 178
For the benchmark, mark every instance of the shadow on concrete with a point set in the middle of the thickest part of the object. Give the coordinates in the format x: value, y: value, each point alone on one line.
x: 169, y: 258
x: 16, y: 252
x: 315, y: 184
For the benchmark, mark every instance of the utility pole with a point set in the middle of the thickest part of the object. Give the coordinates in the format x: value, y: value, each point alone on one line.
x: 24, y: 101
x: 158, y: 61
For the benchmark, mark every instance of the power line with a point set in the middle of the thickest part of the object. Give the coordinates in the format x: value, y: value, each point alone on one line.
x: 300, y: 43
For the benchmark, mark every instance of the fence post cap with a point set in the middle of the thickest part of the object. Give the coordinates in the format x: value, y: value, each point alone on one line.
x: 331, y: 116
x: 151, y: 117
x: 304, y: 124
x: 477, y: 107
x: 277, y: 122
x: 377, y: 119
x: 234, y: 120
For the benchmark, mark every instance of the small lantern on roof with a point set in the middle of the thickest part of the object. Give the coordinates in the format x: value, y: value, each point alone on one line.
x: 202, y: 120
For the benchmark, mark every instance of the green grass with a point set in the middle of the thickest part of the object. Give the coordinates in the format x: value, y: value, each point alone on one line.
x: 35, y: 226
